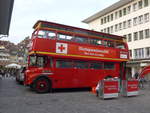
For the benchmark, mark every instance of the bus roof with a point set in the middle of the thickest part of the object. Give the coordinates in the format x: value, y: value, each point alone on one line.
x: 57, y: 26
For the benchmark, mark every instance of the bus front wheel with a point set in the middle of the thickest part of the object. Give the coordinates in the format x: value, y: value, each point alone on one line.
x: 42, y: 85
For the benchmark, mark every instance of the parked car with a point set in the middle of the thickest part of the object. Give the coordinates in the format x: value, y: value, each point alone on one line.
x: 20, y: 75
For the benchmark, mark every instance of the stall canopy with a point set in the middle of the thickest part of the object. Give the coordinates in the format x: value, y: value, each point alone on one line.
x: 13, y: 65
x: 6, y: 7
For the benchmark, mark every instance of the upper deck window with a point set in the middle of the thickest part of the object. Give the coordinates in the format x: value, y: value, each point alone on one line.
x: 46, y: 34
x: 80, y: 39
x: 108, y: 43
x: 67, y: 37
x: 120, y: 45
x: 95, y: 41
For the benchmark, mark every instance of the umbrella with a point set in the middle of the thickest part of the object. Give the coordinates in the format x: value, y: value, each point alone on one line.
x: 13, y: 65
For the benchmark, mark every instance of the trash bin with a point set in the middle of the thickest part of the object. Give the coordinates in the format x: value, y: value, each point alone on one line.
x: 130, y: 87
x: 108, y: 88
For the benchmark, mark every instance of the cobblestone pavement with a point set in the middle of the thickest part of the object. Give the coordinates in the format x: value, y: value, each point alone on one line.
x: 16, y: 98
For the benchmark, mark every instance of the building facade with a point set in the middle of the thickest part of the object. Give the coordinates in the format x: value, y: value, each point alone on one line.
x: 131, y: 19
x: 4, y: 56
x: 23, y: 51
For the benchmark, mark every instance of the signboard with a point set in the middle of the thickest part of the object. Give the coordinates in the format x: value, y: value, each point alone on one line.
x: 109, y: 89
x: 130, y: 87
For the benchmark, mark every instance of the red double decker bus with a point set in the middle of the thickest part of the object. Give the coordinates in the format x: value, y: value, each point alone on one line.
x: 62, y: 56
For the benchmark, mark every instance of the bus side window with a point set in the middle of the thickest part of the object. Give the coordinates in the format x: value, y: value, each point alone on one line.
x: 120, y: 45
x: 81, y: 64
x: 81, y: 39
x: 96, y: 65
x: 110, y: 44
x: 51, y: 34
x: 109, y: 66
x: 66, y: 37
x: 99, y: 42
x: 61, y: 36
x: 63, y: 64
x: 105, y: 43
x: 95, y: 41
x: 41, y: 34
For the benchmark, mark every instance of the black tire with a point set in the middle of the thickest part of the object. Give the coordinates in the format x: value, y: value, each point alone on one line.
x: 41, y: 85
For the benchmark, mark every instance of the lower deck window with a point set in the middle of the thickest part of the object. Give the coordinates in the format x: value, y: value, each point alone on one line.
x: 96, y: 65
x: 84, y: 64
x: 63, y: 64
x: 109, y: 66
x: 81, y: 64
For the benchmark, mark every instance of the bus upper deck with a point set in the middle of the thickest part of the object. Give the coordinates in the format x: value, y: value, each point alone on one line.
x: 66, y: 41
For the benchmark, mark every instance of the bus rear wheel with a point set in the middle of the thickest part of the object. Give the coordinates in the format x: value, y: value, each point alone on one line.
x: 42, y: 85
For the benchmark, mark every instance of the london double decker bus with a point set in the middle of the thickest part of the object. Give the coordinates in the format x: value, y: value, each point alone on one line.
x: 62, y: 56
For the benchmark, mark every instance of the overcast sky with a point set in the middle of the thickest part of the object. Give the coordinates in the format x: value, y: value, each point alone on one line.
x: 70, y: 12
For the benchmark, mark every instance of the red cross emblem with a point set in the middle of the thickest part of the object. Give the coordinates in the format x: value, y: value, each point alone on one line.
x: 61, y: 48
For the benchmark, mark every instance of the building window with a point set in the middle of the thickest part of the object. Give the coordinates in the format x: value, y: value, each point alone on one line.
x: 116, y: 27
x: 139, y: 53
x: 135, y: 21
x: 147, y: 50
x: 102, y: 30
x: 120, y: 13
x: 120, y: 26
x: 146, y: 17
x: 146, y: 2
x: 135, y: 36
x: 116, y: 15
x: 112, y: 17
x: 141, y: 19
x: 129, y: 23
x: 141, y: 35
x: 124, y: 25
x: 105, y: 19
x: 108, y: 19
x: 134, y: 6
x: 129, y: 9
x: 140, y: 3
x: 129, y: 37
x: 111, y: 29
x: 102, y: 21
x: 108, y: 30
x: 124, y: 11
x: 147, y: 33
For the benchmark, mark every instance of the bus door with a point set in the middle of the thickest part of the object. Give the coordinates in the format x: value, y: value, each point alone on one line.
x: 64, y: 73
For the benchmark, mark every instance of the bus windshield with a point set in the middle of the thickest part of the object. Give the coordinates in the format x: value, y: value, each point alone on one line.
x: 38, y: 61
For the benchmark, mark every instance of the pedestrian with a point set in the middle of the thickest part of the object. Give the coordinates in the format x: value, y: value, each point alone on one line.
x: 141, y: 82
x: 136, y: 75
